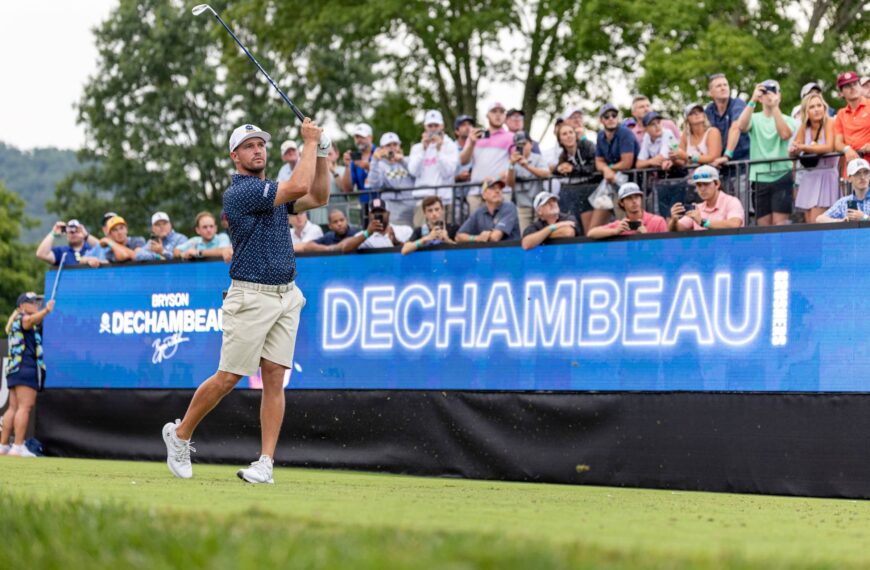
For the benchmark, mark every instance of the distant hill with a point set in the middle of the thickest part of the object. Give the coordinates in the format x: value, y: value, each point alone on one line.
x: 33, y: 174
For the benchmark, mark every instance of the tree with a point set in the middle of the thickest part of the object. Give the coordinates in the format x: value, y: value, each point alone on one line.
x: 20, y: 270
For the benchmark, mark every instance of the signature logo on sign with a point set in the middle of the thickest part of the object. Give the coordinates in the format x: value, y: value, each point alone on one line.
x: 166, y: 348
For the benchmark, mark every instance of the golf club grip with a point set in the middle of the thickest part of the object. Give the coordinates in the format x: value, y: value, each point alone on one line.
x: 260, y: 67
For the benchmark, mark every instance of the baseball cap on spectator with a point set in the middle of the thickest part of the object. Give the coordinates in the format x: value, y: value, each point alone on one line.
x: 362, y: 130
x: 856, y: 165
x: 846, y: 78
x: 650, y: 117
x: 159, y: 217
x: 771, y: 85
x: 462, y: 119
x: 29, y: 297
x: 705, y: 173
x: 629, y: 189
x: 495, y: 105
x: 73, y: 224
x: 516, y: 111
x: 114, y: 221
x: 490, y: 182
x: 433, y: 117
x: 605, y: 108
x: 805, y: 90
x: 245, y: 132
x: 377, y: 204
x: 570, y: 111
x: 389, y: 138
x: 691, y: 107
x: 287, y: 145
x: 108, y: 216
x: 630, y: 122
x: 542, y: 198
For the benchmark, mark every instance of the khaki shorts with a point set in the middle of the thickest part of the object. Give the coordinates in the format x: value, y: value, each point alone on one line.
x: 259, y: 324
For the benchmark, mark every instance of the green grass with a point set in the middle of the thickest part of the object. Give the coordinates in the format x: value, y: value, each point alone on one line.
x: 63, y: 513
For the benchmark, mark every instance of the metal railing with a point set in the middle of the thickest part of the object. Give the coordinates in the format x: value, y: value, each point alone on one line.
x: 659, y: 187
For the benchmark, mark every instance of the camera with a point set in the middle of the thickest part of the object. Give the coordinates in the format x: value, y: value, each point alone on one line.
x: 633, y: 225
x: 356, y: 155
x: 391, y: 155
x: 484, y: 134
x: 520, y: 140
x: 63, y: 228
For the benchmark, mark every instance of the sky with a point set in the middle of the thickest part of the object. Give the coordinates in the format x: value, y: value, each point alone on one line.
x: 48, y: 54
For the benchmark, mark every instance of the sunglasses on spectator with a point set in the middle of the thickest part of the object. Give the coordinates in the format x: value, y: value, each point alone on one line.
x: 702, y: 176
x: 608, y: 116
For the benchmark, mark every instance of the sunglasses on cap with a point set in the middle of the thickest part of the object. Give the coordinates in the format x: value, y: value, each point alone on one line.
x: 703, y: 176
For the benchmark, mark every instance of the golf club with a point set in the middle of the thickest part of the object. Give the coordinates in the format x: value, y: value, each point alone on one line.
x: 57, y: 277
x: 199, y: 9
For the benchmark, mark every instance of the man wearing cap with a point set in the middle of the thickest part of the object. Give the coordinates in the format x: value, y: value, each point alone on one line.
x: 640, y: 108
x: 636, y: 220
x: 516, y: 123
x: 496, y: 221
x: 290, y: 156
x: 380, y: 233
x: 262, y: 309
x: 550, y: 223
x: 163, y: 241
x: 433, y: 163
x: 490, y: 150
x: 617, y: 147
x: 389, y: 171
x: 657, y: 143
x: 462, y: 127
x: 769, y: 134
x: 852, y: 129
x: 525, y: 174
x: 855, y: 207
x: 81, y: 248
x: 717, y: 211
x: 357, y: 171
x: 723, y: 112
x: 117, y: 246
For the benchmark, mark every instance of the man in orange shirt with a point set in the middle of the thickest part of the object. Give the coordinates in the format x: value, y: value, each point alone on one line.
x: 852, y: 129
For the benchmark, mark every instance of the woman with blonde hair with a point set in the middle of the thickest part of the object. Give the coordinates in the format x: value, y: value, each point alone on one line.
x: 700, y: 142
x: 25, y: 370
x: 819, y: 186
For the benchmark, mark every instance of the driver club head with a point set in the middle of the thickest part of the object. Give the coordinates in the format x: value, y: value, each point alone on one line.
x: 200, y: 8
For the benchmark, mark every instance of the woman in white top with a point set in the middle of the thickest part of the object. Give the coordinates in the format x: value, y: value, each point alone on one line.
x: 700, y: 143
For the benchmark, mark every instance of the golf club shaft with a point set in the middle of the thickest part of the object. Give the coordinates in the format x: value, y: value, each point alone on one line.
x: 260, y: 67
x: 57, y: 277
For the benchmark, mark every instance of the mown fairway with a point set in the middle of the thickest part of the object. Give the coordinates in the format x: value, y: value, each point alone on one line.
x: 63, y: 513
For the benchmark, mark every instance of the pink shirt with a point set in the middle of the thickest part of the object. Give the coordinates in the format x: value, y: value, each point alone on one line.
x: 491, y: 157
x: 726, y: 207
x: 654, y: 225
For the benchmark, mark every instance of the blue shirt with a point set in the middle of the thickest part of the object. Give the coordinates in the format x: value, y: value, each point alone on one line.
x: 358, y: 177
x: 503, y: 219
x: 134, y: 242
x: 723, y: 123
x: 74, y: 257
x: 172, y: 240
x: 262, y: 249
x: 331, y: 238
x: 623, y: 141
x: 838, y: 210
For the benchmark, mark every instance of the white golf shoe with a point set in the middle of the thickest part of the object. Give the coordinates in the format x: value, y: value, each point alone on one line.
x: 5, y: 449
x: 260, y: 471
x: 177, y: 452
x: 20, y: 451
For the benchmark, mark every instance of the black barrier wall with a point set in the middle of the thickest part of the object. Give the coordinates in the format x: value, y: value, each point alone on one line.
x: 789, y: 444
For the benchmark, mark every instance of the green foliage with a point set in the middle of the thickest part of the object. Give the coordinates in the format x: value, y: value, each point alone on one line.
x: 33, y: 176
x: 20, y: 270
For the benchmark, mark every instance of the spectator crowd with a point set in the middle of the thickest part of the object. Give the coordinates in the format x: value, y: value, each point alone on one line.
x: 493, y: 183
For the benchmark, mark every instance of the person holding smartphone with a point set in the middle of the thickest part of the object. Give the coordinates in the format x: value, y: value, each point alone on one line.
x: 717, y: 210
x: 855, y: 207
x: 636, y: 220
x: 435, y: 231
x: 25, y: 372
x: 380, y: 233
x: 550, y: 222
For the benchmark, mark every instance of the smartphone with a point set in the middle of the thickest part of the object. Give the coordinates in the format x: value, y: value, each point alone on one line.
x: 439, y: 224
x: 689, y: 207
x: 633, y: 225
x: 153, y: 237
x: 391, y: 155
x: 63, y: 228
x: 379, y: 217
x: 852, y: 204
x: 356, y: 155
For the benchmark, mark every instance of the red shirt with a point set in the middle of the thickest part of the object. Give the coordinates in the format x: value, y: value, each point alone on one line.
x: 654, y: 225
x: 854, y: 124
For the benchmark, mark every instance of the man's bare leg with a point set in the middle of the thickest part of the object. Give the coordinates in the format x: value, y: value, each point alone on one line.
x: 207, y: 396
x: 271, y: 405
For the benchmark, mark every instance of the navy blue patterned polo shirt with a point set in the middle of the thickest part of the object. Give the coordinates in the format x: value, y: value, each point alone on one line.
x: 260, y: 232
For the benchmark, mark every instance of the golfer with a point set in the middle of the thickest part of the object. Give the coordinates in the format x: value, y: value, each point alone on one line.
x: 25, y: 372
x: 262, y: 308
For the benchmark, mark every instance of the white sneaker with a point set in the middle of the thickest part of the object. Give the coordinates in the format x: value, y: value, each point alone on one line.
x: 177, y: 452
x: 5, y: 449
x: 21, y: 451
x: 260, y: 471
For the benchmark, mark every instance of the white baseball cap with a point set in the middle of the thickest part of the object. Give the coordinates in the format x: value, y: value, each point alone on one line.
x: 433, y: 117
x: 245, y: 132
x: 705, y: 173
x: 629, y: 189
x: 855, y: 165
x: 362, y: 130
x: 159, y: 217
x: 496, y: 105
x: 287, y: 145
x: 389, y: 138
x: 542, y: 198
x: 570, y: 111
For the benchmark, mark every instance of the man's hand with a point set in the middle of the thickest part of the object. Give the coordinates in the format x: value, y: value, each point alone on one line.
x: 695, y: 215
x: 758, y: 93
x: 850, y: 155
x: 657, y: 160
x: 105, y: 241
x: 667, y: 164
x: 720, y: 161
x: 864, y: 149
x: 565, y: 224
x: 311, y: 132
x: 677, y: 210
x: 188, y: 254
x: 854, y: 215
x: 155, y: 246
x: 564, y: 168
x: 375, y: 227
x: 609, y: 174
x: 228, y: 255
x: 641, y: 229
x: 392, y: 235
x: 398, y: 156
x: 91, y: 261
x: 463, y: 176
x: 475, y: 135
x: 483, y: 236
x: 679, y: 154
x: 346, y: 159
x: 57, y: 229
x: 517, y: 157
x: 50, y: 305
